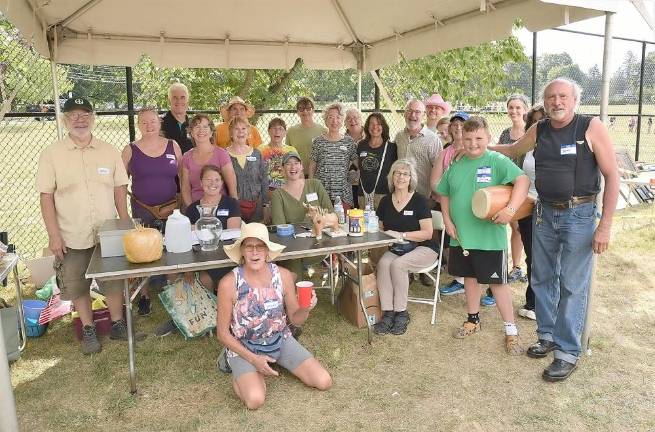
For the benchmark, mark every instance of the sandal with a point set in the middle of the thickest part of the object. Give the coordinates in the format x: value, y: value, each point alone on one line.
x: 400, y: 322
x: 385, y: 324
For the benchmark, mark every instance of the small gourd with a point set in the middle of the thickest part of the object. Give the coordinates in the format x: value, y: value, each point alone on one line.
x: 143, y: 245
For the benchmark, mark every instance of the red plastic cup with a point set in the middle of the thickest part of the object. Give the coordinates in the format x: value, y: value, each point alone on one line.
x: 304, y: 290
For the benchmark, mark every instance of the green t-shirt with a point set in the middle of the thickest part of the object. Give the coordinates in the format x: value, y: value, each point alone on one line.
x: 301, y: 138
x: 460, y: 182
x: 286, y: 209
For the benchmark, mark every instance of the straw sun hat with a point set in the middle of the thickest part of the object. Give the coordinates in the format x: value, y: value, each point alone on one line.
x: 254, y: 230
x: 225, y: 109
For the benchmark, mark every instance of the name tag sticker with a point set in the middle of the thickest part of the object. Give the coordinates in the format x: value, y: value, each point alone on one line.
x: 363, y: 154
x: 312, y: 197
x: 251, y: 158
x: 567, y: 149
x: 408, y: 213
x: 170, y: 156
x: 271, y: 304
x: 343, y: 148
x: 483, y: 174
x: 103, y: 171
x: 222, y: 212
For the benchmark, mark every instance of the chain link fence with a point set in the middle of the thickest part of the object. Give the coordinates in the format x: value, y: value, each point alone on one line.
x: 28, y: 125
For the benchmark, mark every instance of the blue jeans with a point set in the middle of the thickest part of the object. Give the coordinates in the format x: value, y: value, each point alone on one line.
x: 561, y: 274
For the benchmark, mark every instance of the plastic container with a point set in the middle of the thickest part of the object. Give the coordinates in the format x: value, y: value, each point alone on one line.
x: 356, y: 226
x: 111, y: 237
x: 32, y: 311
x: 178, y: 233
x: 338, y: 210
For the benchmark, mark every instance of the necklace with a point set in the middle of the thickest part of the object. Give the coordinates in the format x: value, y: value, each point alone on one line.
x: 398, y: 201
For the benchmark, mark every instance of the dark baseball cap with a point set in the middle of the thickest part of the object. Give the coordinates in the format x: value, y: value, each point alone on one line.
x: 290, y: 155
x: 77, y: 103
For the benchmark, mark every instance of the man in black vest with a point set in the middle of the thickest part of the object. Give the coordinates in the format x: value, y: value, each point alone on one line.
x: 571, y: 151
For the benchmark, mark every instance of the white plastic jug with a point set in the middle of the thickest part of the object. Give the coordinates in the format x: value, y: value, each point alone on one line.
x: 178, y: 233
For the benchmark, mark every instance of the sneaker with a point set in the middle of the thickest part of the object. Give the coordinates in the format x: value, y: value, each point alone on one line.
x: 513, y: 345
x: 165, y: 328
x: 144, y: 306
x: 452, y: 288
x: 400, y: 322
x: 222, y: 363
x: 90, y: 342
x: 487, y: 301
x: 385, y: 324
x: 118, y: 330
x: 527, y: 313
x: 514, y: 275
x: 467, y: 329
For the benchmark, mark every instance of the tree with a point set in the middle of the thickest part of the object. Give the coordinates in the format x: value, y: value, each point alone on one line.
x: 25, y: 76
x: 518, y: 77
x: 472, y: 75
x: 624, y: 84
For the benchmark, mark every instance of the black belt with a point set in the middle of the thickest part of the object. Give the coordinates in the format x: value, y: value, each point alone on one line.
x: 574, y: 201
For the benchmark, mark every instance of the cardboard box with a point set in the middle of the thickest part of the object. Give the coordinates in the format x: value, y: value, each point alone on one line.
x: 41, y: 269
x: 348, y: 304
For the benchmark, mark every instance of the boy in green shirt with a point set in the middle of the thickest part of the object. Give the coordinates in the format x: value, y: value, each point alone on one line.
x: 478, y: 248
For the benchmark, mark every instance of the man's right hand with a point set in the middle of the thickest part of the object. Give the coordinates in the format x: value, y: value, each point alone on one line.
x: 57, y: 247
x: 261, y: 363
x: 451, y: 230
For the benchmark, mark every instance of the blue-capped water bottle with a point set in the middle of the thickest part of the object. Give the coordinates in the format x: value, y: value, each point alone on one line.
x: 338, y: 210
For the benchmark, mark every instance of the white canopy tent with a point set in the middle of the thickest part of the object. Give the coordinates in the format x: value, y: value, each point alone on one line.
x: 326, y: 34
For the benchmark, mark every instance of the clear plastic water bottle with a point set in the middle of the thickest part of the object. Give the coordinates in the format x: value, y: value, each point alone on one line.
x: 367, y: 215
x: 338, y: 209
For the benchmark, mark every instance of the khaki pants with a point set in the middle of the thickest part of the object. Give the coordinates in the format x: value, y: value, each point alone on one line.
x: 393, y: 275
x: 70, y: 275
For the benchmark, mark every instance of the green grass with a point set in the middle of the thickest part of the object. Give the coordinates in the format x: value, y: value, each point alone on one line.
x: 423, y: 380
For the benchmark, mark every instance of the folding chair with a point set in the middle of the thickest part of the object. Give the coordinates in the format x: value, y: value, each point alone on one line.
x: 437, y: 224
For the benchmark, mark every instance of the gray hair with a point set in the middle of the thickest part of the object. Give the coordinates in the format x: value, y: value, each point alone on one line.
x: 518, y: 97
x: 575, y: 89
x: 411, y: 101
x: 354, y: 111
x: 341, y: 109
x: 403, y: 163
x: 177, y: 86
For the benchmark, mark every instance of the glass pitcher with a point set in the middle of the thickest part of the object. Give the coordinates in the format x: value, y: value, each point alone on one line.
x: 208, y: 228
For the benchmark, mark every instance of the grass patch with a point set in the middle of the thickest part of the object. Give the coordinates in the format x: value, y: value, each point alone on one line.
x: 423, y: 380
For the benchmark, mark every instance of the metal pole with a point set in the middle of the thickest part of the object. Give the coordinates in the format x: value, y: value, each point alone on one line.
x: 55, y: 91
x: 533, y: 96
x: 359, y: 89
x: 130, y: 335
x: 360, y: 278
x: 641, y: 98
x: 376, y: 94
x: 607, y: 55
x: 8, y: 421
x: 130, y: 103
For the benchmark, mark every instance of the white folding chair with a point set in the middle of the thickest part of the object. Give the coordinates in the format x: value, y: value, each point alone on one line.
x: 437, y: 224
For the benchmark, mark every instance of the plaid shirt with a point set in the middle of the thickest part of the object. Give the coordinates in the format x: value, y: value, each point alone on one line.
x: 422, y: 150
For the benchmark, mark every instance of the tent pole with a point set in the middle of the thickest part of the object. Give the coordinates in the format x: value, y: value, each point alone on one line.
x: 604, y: 96
x: 359, y: 90
x: 55, y: 90
x: 607, y: 55
x: 8, y: 421
x: 534, y: 69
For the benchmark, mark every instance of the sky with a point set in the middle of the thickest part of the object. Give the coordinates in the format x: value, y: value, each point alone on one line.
x: 588, y: 50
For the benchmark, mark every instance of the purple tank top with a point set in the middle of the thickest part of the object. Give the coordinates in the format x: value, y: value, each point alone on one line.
x: 153, y: 178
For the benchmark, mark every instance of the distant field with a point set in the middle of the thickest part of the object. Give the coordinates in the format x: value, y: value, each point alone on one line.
x: 22, y: 140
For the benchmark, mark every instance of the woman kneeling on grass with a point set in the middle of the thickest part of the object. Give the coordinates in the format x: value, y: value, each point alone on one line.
x: 253, y: 303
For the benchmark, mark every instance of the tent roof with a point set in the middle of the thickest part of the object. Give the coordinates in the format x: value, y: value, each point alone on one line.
x: 326, y: 34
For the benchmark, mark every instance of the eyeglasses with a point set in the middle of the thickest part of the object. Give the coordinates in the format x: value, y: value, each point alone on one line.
x: 78, y: 116
x: 307, y: 108
x: 402, y: 174
x: 250, y: 248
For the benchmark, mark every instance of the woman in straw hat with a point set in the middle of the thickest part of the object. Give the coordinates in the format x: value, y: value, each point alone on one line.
x: 236, y: 107
x: 254, y: 301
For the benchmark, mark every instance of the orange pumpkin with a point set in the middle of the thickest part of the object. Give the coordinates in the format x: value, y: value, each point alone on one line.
x: 143, y: 245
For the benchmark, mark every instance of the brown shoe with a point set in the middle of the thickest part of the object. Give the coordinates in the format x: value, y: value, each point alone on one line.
x: 513, y: 345
x: 467, y: 329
